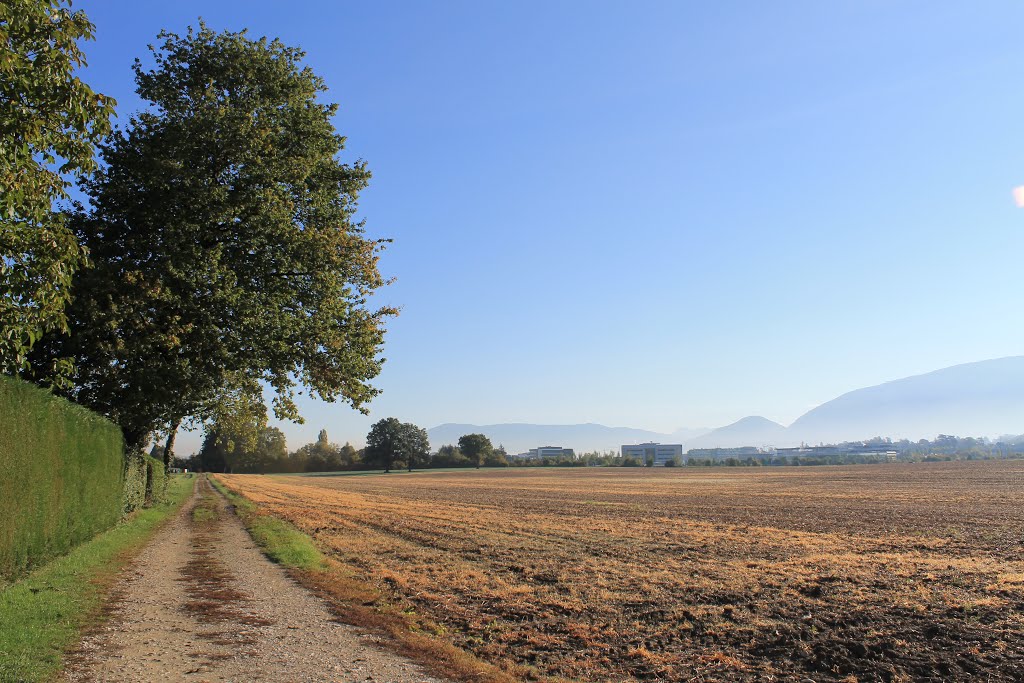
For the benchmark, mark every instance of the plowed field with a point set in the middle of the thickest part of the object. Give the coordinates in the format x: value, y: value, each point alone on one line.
x: 872, y: 573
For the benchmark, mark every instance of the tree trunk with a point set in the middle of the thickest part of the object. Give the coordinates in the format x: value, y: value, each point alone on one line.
x: 169, y: 446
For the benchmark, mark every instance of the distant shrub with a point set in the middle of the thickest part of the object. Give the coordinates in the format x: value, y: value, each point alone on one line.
x: 62, y: 474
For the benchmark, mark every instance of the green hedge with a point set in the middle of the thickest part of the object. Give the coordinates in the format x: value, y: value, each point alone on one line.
x: 145, y: 482
x: 62, y: 472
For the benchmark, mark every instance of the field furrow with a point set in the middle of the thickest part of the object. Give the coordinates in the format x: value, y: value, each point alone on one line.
x: 888, y: 573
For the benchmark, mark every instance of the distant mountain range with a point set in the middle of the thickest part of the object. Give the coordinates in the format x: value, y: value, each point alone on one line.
x: 749, y: 431
x: 974, y: 399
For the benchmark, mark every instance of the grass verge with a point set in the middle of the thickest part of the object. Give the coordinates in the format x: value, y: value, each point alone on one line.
x: 358, y: 602
x: 279, y: 540
x: 44, y: 614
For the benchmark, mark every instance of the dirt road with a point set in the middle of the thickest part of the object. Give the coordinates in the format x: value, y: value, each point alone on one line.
x: 201, y: 603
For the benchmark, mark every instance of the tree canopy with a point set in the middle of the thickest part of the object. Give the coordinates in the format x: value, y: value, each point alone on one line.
x: 224, y: 452
x: 390, y: 441
x: 477, y: 447
x: 49, y: 123
x: 324, y: 456
x: 225, y: 246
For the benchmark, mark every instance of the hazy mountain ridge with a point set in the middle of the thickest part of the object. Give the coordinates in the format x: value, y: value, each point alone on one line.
x: 985, y: 398
x: 974, y: 399
x: 748, y: 431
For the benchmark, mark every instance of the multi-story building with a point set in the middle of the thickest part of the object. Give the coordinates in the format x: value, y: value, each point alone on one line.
x: 655, y: 453
x: 551, y: 452
x: 883, y: 452
x: 742, y: 452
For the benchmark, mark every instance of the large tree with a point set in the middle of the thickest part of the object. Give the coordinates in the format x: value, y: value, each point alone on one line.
x: 390, y: 440
x: 476, y: 447
x: 226, y: 251
x: 417, y: 446
x: 49, y: 123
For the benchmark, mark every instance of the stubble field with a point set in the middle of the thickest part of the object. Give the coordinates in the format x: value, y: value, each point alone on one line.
x: 871, y: 573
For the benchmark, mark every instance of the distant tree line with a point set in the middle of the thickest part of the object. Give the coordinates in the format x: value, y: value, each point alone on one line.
x: 946, y: 447
x: 943, y: 448
x: 269, y: 453
x: 392, y: 444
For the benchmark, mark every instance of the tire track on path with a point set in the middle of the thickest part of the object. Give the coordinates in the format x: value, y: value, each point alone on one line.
x: 201, y: 603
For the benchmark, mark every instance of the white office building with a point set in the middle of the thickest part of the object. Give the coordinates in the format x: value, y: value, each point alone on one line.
x: 550, y: 452
x: 658, y: 453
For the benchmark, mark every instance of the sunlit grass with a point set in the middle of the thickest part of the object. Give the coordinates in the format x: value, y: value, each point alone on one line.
x: 280, y: 541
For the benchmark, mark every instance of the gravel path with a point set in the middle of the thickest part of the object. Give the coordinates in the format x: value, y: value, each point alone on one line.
x: 202, y: 603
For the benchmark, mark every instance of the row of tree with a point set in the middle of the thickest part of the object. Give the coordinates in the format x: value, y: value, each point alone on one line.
x: 217, y: 252
x: 224, y: 452
x: 390, y: 444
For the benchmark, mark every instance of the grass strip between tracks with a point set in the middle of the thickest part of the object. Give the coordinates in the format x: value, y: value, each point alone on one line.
x: 45, y: 613
x: 358, y: 602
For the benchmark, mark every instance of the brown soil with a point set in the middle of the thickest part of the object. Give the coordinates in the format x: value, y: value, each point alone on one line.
x: 201, y: 603
x: 893, y: 573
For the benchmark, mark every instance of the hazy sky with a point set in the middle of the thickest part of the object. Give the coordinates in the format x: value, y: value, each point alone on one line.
x: 659, y: 214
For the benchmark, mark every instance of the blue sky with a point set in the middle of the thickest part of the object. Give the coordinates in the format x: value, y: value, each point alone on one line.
x: 659, y: 214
